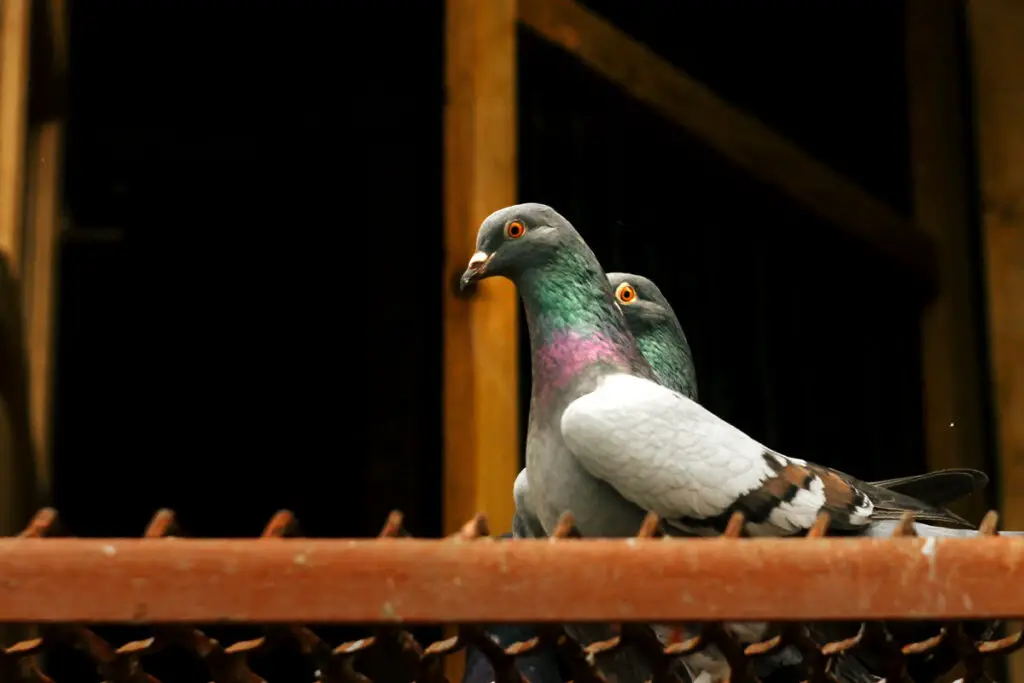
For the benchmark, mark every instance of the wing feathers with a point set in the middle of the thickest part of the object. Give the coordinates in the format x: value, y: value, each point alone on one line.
x: 668, y: 454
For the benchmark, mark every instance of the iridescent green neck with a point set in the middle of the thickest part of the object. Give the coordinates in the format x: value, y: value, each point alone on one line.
x: 667, y: 351
x: 575, y: 328
x: 569, y: 293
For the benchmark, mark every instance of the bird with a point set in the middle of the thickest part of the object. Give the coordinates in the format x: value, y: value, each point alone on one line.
x: 660, y: 337
x: 609, y: 443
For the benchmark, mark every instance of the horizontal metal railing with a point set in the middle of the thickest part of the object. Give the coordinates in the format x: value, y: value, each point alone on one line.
x: 64, y: 584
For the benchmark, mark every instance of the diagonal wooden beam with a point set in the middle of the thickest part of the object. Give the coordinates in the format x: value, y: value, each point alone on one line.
x: 748, y: 143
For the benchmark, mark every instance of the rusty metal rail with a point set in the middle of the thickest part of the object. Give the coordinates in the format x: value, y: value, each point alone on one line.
x: 63, y: 584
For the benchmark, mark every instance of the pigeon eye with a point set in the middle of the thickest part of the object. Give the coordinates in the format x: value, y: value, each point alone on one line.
x: 625, y: 293
x: 514, y: 230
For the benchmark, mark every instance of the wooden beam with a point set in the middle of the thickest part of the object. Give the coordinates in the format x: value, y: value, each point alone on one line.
x: 41, y: 283
x: 16, y: 468
x: 481, y: 341
x: 57, y: 26
x: 16, y: 486
x: 996, y: 27
x: 14, y: 65
x: 954, y: 383
x: 49, y: 61
x: 748, y: 143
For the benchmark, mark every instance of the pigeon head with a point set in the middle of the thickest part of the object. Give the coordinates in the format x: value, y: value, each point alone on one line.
x: 641, y: 301
x: 516, y: 239
x: 657, y: 331
x: 574, y: 326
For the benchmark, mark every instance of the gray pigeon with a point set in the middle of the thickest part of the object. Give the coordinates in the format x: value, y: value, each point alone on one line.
x: 661, y: 340
x: 663, y: 344
x: 607, y: 442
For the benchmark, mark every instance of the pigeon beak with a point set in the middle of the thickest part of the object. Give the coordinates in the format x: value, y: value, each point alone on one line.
x: 475, y: 269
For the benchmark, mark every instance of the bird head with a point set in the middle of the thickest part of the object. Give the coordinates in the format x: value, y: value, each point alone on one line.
x: 516, y: 238
x: 640, y: 300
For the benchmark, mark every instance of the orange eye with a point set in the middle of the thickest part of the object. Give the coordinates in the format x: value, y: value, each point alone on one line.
x: 514, y: 230
x: 625, y: 293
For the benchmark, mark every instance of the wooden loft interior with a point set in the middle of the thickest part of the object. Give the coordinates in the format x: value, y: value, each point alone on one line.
x: 932, y: 247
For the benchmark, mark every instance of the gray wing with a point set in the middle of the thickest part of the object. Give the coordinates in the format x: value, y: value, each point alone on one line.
x: 670, y: 455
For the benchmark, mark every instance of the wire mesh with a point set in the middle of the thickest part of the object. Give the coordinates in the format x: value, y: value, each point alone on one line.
x: 340, y: 664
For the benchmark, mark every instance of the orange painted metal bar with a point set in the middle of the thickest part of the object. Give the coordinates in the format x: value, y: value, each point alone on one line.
x: 410, y: 580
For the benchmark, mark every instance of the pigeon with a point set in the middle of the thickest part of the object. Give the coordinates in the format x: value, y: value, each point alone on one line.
x: 609, y: 443
x: 663, y: 343
x: 653, y: 323
x: 661, y: 340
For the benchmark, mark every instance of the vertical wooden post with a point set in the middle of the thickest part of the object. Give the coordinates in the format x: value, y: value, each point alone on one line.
x: 15, y: 500
x: 481, y: 387
x: 481, y: 339
x: 14, y: 63
x: 996, y: 30
x: 15, y: 16
x: 45, y: 159
x: 953, y: 378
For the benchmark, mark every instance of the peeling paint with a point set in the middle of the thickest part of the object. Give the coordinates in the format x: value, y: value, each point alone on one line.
x: 387, y: 611
x: 930, y: 549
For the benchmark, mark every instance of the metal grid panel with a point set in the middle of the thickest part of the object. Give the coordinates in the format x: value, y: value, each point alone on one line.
x: 258, y: 576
